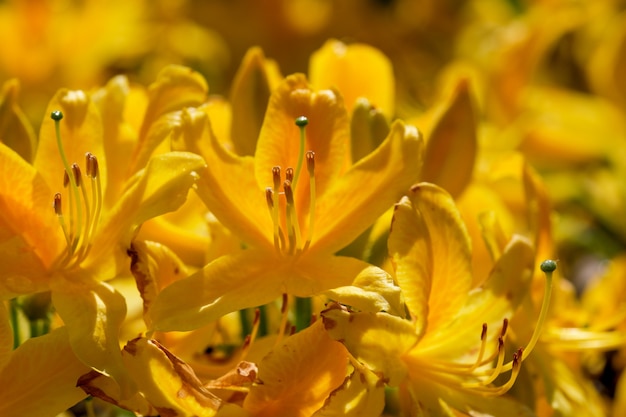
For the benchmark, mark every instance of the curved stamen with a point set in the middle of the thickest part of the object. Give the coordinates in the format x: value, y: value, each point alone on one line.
x: 301, y: 122
x: 310, y: 165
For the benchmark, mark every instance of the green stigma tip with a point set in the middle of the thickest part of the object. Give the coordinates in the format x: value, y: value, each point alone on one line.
x: 56, y: 115
x: 302, y: 121
x: 548, y: 266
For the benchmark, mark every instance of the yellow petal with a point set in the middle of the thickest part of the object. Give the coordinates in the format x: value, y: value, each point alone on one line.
x: 93, y: 313
x: 367, y: 189
x: 230, y: 283
x: 372, y: 290
x: 154, y: 267
x: 297, y: 377
x: 431, y: 250
x: 121, y: 137
x: 378, y: 340
x: 250, y: 93
x: 368, y: 129
x: 100, y: 386
x: 356, y: 70
x: 327, y: 134
x: 40, y: 377
x: 30, y: 234
x: 228, y: 186
x: 81, y: 132
x: 159, y: 188
x: 175, y: 88
x: 451, y: 145
x: 361, y: 395
x: 168, y: 383
x: 15, y: 129
x: 498, y: 298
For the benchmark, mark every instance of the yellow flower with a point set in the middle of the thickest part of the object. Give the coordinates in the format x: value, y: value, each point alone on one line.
x: 291, y: 219
x: 70, y: 243
x: 451, y: 352
x: 39, y: 377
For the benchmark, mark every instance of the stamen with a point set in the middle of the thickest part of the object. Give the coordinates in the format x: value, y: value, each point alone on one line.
x: 310, y: 166
x: 301, y: 122
x: 284, y: 312
x: 293, y: 229
x: 289, y: 175
x: 483, y: 344
x: 274, y: 213
x: 58, y: 209
x: 93, y: 172
x: 252, y: 336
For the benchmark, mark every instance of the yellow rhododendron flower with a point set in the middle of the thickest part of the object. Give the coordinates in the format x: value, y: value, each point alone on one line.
x: 292, y: 214
x: 442, y: 359
x: 70, y: 243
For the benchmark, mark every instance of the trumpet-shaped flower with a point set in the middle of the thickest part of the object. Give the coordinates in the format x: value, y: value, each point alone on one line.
x: 451, y: 352
x: 69, y: 243
x: 294, y: 204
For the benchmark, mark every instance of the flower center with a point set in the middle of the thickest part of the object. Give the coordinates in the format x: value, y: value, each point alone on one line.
x: 485, y: 370
x: 84, y: 205
x: 287, y: 234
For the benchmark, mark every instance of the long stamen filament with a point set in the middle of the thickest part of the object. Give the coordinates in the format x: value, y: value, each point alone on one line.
x: 301, y: 122
x: 74, y: 198
x: 310, y: 165
x: 293, y: 229
x: 58, y: 209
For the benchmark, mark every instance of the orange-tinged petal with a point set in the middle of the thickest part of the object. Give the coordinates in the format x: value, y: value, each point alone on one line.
x: 497, y: 299
x: 367, y: 189
x: 250, y: 93
x: 101, y: 386
x: 168, y: 383
x: 159, y: 188
x: 175, y: 88
x: 15, y: 129
x: 93, y: 313
x: 228, y: 186
x: 297, y: 377
x: 356, y: 70
x: 30, y: 235
x: 40, y: 377
x: 81, y: 132
x: 327, y: 134
x: 229, y: 283
x: 442, y: 236
x: 451, y: 146
x: 378, y: 340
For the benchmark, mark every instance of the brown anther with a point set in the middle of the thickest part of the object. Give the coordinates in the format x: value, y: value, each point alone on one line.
x: 483, y: 333
x: 257, y: 316
x: 288, y: 192
x: 517, y: 357
x: 66, y: 179
x: 269, y: 197
x: 289, y: 174
x: 310, y: 162
x: 500, y: 343
x: 276, y: 177
x: 92, y: 165
x: 77, y: 174
x: 283, y: 307
x: 58, y: 206
x: 505, y: 326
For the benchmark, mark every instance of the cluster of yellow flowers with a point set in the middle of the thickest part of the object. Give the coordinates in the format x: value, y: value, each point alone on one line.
x: 371, y: 238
